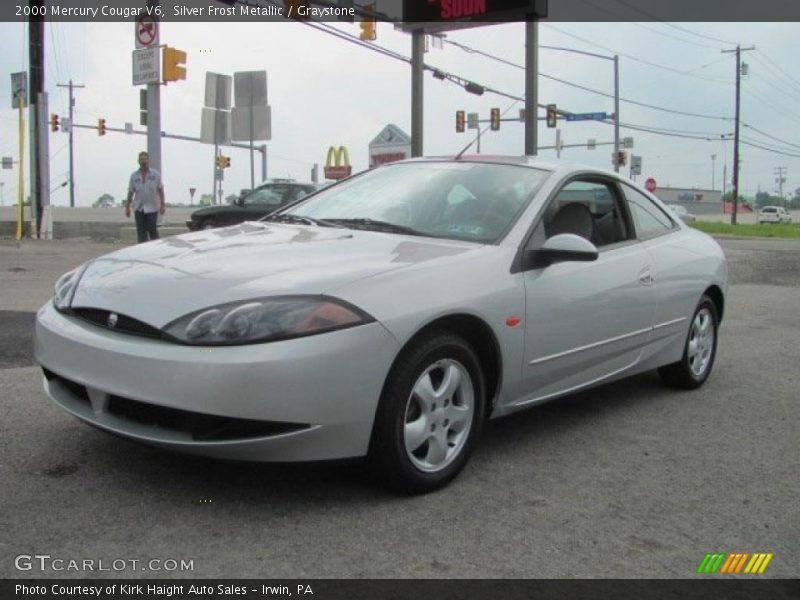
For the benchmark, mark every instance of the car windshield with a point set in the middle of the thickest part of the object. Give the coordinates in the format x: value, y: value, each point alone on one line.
x: 459, y: 200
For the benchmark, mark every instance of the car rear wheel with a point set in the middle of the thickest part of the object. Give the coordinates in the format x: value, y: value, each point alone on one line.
x: 699, y: 351
x: 429, y: 416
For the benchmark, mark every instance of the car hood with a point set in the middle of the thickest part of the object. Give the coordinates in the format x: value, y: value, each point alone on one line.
x: 162, y: 280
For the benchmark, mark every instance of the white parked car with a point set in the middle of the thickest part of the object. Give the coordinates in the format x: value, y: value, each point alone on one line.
x: 774, y: 214
x: 386, y: 316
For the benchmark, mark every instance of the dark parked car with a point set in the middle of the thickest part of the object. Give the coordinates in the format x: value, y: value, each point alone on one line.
x: 251, y: 206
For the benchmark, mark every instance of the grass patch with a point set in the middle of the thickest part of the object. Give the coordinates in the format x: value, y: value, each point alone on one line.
x: 789, y: 231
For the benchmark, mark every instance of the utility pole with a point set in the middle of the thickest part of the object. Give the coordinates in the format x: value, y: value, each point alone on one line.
x: 738, y: 52
x: 780, y: 179
x: 71, y: 86
x: 531, y: 87
x: 154, y: 114
x: 417, y: 71
x: 713, y: 159
x: 616, y: 111
x: 36, y: 99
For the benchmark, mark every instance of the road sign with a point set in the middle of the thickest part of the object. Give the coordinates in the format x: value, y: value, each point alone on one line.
x: 594, y: 116
x: 191, y: 192
x: 591, y: 144
x: 8, y: 162
x: 19, y: 89
x: 146, y: 33
x: 472, y: 121
x: 627, y: 142
x: 650, y: 185
x: 146, y: 66
x: 636, y: 165
x: 65, y: 124
x: 128, y: 128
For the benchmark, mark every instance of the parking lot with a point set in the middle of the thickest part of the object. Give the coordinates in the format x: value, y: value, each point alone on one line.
x: 628, y: 480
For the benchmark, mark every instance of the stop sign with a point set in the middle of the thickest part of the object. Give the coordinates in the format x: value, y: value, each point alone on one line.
x: 650, y: 185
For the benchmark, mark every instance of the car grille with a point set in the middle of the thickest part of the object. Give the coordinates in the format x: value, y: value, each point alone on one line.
x: 201, y: 426
x: 124, y: 324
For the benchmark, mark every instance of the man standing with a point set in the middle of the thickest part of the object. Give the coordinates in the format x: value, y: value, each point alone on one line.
x: 146, y: 193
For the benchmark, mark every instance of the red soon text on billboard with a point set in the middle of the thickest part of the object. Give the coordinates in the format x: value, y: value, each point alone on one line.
x: 455, y: 9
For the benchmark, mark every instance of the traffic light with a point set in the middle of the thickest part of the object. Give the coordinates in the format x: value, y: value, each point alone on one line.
x: 368, y: 29
x: 223, y: 162
x: 619, y: 158
x: 54, y: 122
x: 552, y: 115
x: 460, y: 121
x: 495, y: 119
x: 101, y: 126
x: 171, y: 69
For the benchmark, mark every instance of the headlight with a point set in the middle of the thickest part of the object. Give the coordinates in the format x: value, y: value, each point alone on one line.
x: 265, y: 320
x: 65, y: 288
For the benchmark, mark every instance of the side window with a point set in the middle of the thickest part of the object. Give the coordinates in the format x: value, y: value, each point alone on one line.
x: 648, y: 219
x: 588, y: 208
x: 272, y: 195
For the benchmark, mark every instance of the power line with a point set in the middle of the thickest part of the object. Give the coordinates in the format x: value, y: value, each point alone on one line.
x: 636, y: 58
x: 471, y: 50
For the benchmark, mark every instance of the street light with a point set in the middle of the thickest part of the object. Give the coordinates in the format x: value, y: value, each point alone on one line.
x: 713, y: 158
x: 615, y: 60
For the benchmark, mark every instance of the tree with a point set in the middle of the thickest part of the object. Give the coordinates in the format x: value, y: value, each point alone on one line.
x: 206, y: 200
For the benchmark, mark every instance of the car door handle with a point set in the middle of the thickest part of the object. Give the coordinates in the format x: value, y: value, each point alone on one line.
x: 646, y: 277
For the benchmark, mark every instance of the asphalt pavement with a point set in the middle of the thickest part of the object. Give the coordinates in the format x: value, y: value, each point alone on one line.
x: 630, y: 480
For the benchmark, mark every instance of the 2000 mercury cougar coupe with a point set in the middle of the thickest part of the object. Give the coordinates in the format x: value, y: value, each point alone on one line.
x: 387, y: 316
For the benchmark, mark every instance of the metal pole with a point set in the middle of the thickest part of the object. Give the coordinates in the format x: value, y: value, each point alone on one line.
x: 479, y: 139
x: 713, y: 160
x: 417, y: 71
x: 616, y: 110
x: 263, y: 162
x: 531, y: 88
x: 558, y: 143
x: 71, y: 87
x: 215, y: 169
x: 71, y: 148
x: 252, y: 157
x: 37, y: 129
x: 154, y: 115
x: 736, y: 138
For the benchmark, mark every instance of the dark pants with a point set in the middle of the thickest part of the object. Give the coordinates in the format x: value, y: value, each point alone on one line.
x: 146, y: 225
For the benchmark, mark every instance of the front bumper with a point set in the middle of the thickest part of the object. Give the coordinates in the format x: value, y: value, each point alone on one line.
x: 311, y: 398
x: 193, y: 225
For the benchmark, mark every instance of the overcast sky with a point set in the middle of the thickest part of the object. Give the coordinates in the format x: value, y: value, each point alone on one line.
x: 326, y: 91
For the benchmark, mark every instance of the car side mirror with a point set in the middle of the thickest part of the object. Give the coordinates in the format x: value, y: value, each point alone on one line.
x: 562, y: 248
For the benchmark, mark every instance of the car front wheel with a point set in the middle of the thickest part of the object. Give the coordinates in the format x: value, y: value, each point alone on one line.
x: 208, y: 224
x: 429, y: 416
x: 699, y: 351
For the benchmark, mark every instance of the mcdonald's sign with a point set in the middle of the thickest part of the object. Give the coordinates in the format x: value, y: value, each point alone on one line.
x: 337, y: 164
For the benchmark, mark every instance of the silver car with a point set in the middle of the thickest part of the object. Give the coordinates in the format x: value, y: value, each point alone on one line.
x: 387, y: 316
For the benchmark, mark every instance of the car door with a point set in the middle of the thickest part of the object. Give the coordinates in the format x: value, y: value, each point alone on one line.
x: 677, y: 270
x: 586, y: 321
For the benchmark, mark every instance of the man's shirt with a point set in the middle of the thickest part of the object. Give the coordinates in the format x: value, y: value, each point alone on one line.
x: 145, y: 190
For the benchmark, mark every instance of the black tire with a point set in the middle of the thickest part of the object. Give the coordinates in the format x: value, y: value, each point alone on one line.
x: 438, y: 353
x: 686, y: 373
x: 209, y: 224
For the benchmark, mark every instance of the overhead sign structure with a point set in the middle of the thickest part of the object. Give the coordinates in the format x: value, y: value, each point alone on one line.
x: 593, y: 116
x: 19, y: 89
x: 146, y: 32
x: 146, y: 66
x: 390, y: 145
x: 650, y: 185
x: 472, y: 121
x: 337, y: 163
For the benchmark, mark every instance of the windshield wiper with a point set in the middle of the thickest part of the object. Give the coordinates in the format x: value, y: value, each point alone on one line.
x: 372, y: 225
x: 298, y: 219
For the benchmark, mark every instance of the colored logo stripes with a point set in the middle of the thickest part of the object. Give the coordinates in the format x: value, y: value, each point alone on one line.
x: 734, y: 563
